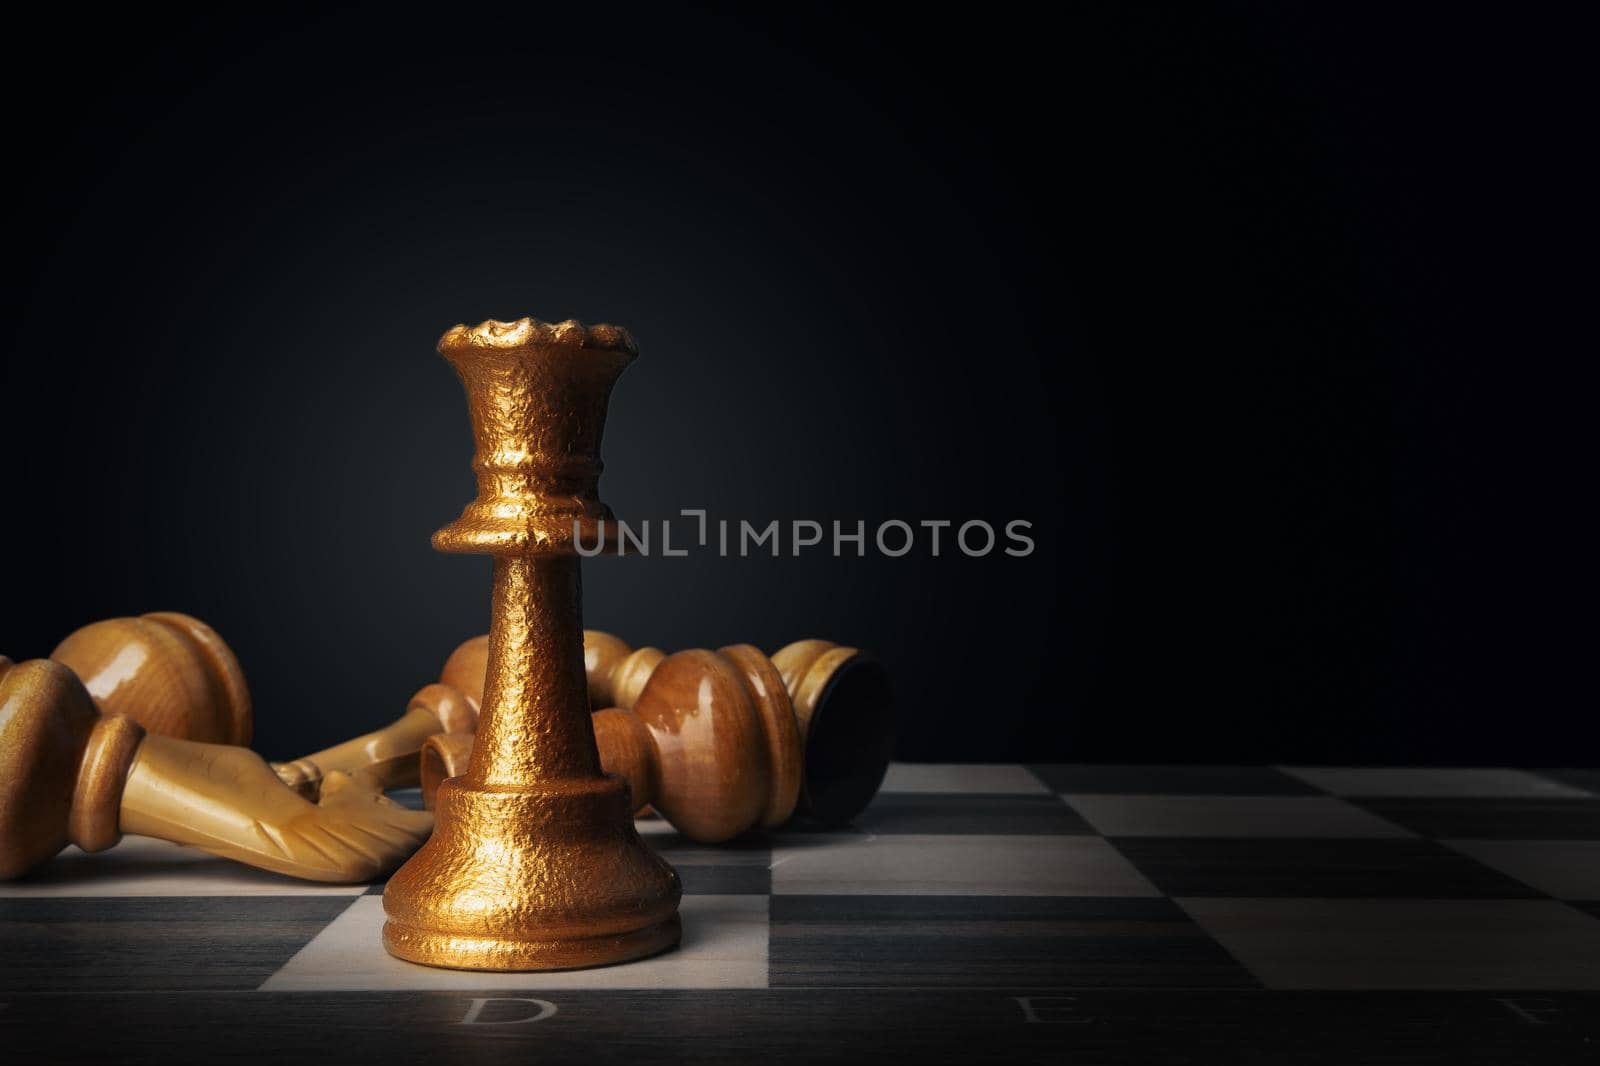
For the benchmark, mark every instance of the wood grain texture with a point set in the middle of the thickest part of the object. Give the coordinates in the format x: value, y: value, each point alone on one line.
x: 894, y: 1027
x: 170, y: 672
x: 1111, y: 978
x: 69, y: 774
x: 723, y: 742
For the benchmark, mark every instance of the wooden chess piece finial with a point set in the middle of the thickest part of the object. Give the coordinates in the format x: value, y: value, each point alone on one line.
x: 534, y: 863
x: 71, y: 775
x: 617, y: 674
x: 169, y: 672
x: 723, y: 742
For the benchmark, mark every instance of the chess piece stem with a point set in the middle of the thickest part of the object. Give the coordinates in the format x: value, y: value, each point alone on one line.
x: 614, y: 673
x: 69, y: 774
x: 534, y: 863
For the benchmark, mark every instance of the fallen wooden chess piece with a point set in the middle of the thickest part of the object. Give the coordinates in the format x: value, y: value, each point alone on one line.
x: 721, y: 742
x: 390, y: 753
x: 70, y: 774
x: 174, y: 675
x: 169, y: 672
x: 717, y: 742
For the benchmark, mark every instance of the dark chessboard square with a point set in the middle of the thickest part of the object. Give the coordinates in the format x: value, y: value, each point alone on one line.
x: 408, y: 797
x: 1172, y: 780
x: 1458, y: 782
x: 1498, y: 818
x: 154, y: 944
x: 1485, y: 945
x: 970, y: 814
x: 1326, y: 868
x: 711, y: 880
x: 1589, y: 780
x: 992, y: 941
x: 1564, y: 869
x: 738, y: 867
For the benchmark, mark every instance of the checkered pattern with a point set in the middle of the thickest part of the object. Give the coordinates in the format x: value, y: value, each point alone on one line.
x: 960, y: 877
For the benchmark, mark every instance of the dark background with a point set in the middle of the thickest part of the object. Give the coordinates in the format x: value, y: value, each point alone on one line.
x: 1276, y: 322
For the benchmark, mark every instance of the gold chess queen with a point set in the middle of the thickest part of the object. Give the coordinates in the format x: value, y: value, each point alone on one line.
x: 534, y: 863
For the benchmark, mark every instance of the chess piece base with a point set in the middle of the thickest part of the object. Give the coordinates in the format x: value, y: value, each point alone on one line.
x: 549, y: 879
x: 498, y: 954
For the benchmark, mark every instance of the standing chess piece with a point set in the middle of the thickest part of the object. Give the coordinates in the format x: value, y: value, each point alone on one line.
x: 534, y: 863
x: 71, y: 775
x: 718, y: 743
x: 169, y: 672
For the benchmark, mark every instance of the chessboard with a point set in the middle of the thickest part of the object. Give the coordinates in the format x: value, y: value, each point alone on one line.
x: 1053, y: 914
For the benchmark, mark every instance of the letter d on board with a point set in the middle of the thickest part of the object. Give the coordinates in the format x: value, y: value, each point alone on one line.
x: 474, y: 1015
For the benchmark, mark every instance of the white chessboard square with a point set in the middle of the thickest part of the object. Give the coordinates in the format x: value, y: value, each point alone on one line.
x: 953, y: 865
x: 1565, y: 869
x: 724, y: 946
x: 990, y: 778
x: 653, y: 825
x: 1406, y: 944
x: 140, y: 866
x: 1230, y: 816
x: 1439, y: 782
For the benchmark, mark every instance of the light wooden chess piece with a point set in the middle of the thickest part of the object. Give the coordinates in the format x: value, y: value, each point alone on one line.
x: 174, y: 675
x: 72, y: 775
x: 534, y: 863
x: 388, y: 754
x: 721, y: 742
x: 169, y: 672
x: 839, y: 698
